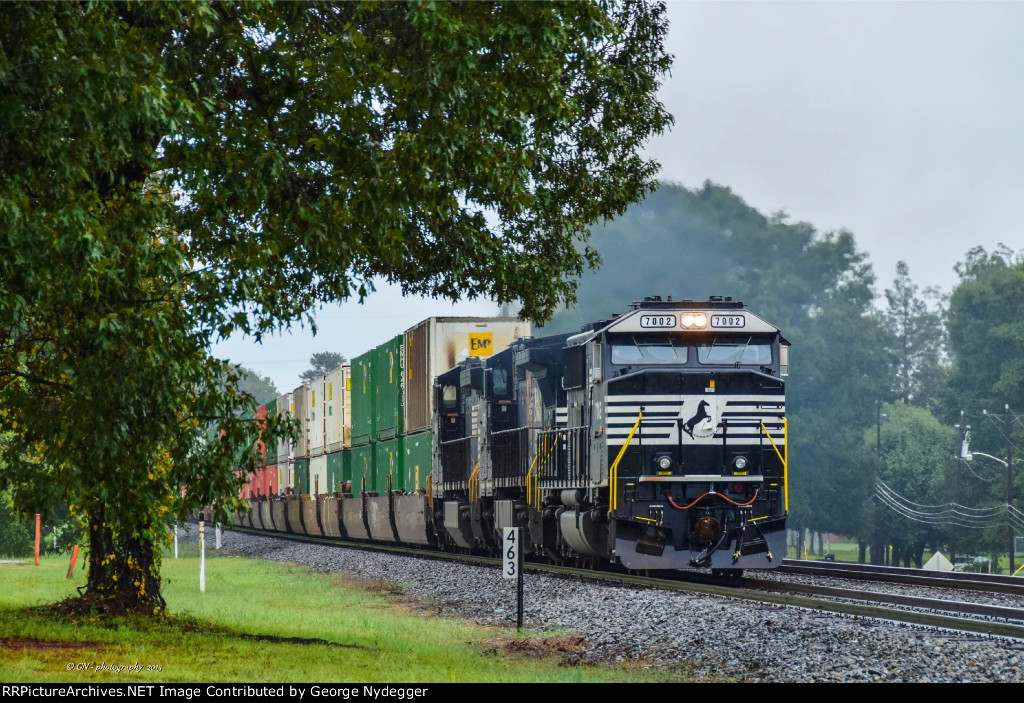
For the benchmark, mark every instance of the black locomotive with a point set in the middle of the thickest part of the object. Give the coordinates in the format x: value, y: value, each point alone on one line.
x: 655, y: 440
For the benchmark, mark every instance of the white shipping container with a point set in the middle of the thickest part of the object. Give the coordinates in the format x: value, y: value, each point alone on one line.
x: 337, y: 402
x: 318, y: 475
x: 439, y: 343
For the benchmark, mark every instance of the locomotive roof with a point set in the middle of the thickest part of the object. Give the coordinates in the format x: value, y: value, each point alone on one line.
x: 656, y: 315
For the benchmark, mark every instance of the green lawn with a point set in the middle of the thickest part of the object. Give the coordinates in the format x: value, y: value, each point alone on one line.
x: 260, y: 621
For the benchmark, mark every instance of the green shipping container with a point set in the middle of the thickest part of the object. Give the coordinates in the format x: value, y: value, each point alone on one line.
x: 387, y: 380
x: 363, y: 399
x: 418, y: 455
x: 389, y: 463
x: 339, y: 469
x: 362, y: 467
x: 300, y: 478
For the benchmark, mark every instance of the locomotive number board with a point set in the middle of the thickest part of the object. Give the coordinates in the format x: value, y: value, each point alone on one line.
x: 657, y: 321
x: 727, y: 321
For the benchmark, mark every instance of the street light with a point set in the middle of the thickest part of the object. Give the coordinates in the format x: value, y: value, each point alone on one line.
x: 970, y: 457
x: 1009, y: 498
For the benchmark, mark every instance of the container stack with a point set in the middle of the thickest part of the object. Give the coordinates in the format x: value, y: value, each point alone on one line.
x: 366, y: 426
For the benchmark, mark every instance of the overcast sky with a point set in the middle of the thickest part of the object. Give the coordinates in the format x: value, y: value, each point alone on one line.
x: 902, y: 122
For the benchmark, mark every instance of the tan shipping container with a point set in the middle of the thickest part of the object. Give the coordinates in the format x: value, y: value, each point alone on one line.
x: 284, y: 444
x: 316, y: 428
x: 301, y: 399
x: 337, y: 402
x: 438, y: 344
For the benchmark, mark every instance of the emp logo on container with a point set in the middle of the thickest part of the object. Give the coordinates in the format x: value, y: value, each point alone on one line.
x: 481, y: 343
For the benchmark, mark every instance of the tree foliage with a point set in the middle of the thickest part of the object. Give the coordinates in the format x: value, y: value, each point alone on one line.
x: 320, y: 364
x: 986, y: 342
x: 916, y: 458
x: 15, y: 537
x: 261, y: 388
x: 918, y: 341
x: 986, y: 330
x: 174, y: 173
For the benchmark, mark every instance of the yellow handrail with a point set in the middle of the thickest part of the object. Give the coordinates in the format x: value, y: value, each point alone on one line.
x: 540, y: 469
x: 529, y: 491
x: 785, y: 466
x: 430, y: 490
x: 613, y: 472
x: 474, y: 483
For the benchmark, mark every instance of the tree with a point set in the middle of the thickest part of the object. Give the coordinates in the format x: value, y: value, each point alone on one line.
x: 986, y: 341
x: 320, y: 364
x: 173, y: 173
x: 918, y: 341
x: 15, y: 538
x: 916, y: 455
x: 986, y: 330
x: 261, y: 388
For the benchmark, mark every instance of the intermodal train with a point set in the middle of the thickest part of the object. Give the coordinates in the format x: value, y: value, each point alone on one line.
x: 655, y: 439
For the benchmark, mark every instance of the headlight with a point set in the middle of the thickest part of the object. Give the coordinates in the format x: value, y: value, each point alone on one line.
x: 664, y: 463
x: 691, y: 320
x: 740, y: 462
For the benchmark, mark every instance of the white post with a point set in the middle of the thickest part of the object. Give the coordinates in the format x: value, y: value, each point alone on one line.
x: 55, y: 538
x: 202, y: 557
x: 175, y: 540
x: 217, y: 534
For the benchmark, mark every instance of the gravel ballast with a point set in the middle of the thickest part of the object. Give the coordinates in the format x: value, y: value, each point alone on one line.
x: 711, y: 636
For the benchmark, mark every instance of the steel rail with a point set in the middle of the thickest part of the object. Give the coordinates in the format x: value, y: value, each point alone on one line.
x: 991, y: 583
x: 754, y: 590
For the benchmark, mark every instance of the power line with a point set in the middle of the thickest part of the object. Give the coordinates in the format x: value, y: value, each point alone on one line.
x: 950, y: 513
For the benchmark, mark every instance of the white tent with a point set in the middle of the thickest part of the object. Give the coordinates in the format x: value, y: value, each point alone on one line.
x: 938, y: 563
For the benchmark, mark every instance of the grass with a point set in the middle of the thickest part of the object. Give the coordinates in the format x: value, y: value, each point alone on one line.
x: 260, y: 621
x: 849, y: 552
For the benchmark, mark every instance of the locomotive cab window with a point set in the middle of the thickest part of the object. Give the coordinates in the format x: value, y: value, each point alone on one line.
x: 499, y: 382
x: 647, y: 349
x: 735, y: 350
x: 449, y: 396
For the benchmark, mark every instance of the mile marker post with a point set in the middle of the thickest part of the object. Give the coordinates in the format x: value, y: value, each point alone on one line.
x: 512, y: 567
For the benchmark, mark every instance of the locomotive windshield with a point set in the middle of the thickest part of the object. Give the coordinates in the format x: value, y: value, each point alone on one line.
x: 647, y: 349
x: 735, y: 350
x: 665, y: 349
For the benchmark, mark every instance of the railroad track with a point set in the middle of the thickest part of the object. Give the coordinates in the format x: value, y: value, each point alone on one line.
x: 989, y: 583
x: 855, y: 602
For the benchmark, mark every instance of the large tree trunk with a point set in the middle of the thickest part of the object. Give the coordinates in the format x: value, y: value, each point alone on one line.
x: 123, y: 570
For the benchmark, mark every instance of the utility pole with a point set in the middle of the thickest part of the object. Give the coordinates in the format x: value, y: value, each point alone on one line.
x: 878, y: 425
x: 962, y: 451
x: 876, y: 539
x: 1008, y: 419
